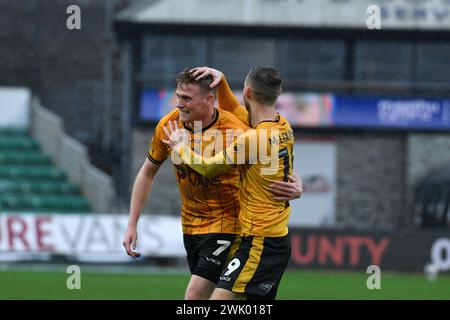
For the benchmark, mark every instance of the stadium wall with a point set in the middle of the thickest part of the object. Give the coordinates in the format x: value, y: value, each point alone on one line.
x: 66, y: 68
x: 371, y: 179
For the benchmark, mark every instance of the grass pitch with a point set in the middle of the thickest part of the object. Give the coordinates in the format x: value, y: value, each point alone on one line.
x: 296, y: 285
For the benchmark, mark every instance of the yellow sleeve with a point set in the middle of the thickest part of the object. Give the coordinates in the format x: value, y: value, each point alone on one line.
x: 242, y: 151
x: 229, y: 102
x: 157, y: 153
x: 207, y: 167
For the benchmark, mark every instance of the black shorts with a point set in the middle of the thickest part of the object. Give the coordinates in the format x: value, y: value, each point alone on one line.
x: 257, y: 267
x: 207, y: 253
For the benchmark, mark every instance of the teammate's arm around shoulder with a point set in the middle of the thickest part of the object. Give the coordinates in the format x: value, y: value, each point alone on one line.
x: 141, y: 190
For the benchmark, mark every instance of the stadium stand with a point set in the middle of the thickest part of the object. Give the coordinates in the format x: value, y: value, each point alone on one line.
x: 30, y: 182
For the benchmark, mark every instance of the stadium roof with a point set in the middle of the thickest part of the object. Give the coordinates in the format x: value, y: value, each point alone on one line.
x: 231, y: 12
x: 395, y: 14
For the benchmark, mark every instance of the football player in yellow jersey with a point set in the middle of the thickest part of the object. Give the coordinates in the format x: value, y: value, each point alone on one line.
x: 210, y: 206
x: 256, y: 268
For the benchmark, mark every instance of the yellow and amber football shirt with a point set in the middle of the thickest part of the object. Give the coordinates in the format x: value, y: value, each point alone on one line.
x: 209, y: 205
x: 265, y: 155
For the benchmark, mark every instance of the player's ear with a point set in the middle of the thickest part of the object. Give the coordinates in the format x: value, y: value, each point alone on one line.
x: 247, y: 92
x: 210, y: 98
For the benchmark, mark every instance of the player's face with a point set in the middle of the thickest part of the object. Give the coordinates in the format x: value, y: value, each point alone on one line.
x: 192, y: 102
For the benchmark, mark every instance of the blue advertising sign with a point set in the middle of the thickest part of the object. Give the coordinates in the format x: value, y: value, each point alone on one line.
x: 302, y: 109
x: 391, y: 113
x: 155, y: 104
x: 327, y: 110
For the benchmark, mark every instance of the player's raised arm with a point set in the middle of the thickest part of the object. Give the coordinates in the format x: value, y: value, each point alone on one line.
x: 225, y: 96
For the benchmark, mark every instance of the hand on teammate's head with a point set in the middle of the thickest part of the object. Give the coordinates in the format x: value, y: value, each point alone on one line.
x: 201, y: 72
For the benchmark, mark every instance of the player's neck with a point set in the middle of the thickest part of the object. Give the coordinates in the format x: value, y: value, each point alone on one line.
x: 260, y: 113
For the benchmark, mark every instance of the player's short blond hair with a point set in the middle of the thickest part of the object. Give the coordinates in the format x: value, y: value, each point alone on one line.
x: 185, y: 77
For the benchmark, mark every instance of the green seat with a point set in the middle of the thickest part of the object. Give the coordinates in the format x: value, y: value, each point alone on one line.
x: 23, y: 157
x: 50, y: 187
x: 18, y: 143
x: 31, y: 172
x: 43, y: 210
x: 37, y: 187
x: 28, y: 181
x: 14, y: 132
x: 41, y: 203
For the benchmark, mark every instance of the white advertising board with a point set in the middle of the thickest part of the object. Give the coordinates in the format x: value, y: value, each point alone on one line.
x: 315, y: 162
x: 90, y: 237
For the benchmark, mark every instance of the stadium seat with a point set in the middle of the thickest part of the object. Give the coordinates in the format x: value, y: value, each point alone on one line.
x: 37, y: 187
x: 18, y: 143
x: 51, y: 203
x: 31, y: 172
x: 11, y: 131
x: 23, y: 157
x: 29, y: 182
